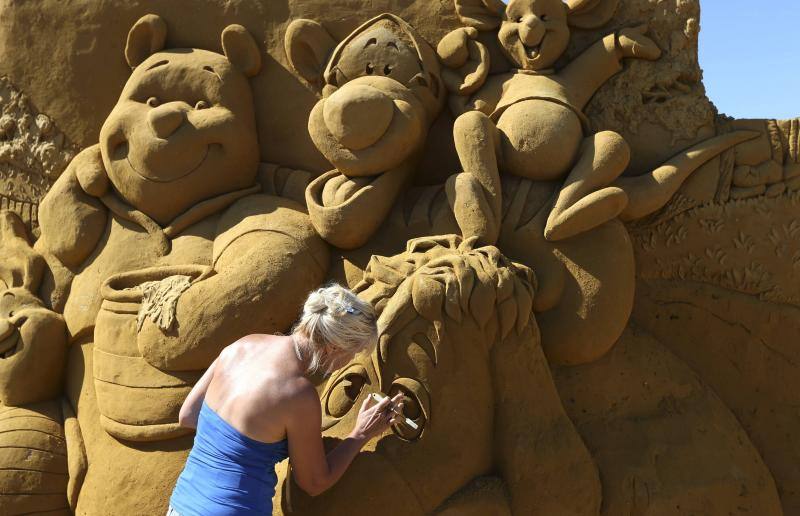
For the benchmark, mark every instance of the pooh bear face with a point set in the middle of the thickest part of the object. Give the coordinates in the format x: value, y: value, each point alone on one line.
x: 534, y: 33
x: 183, y: 129
x: 33, y: 349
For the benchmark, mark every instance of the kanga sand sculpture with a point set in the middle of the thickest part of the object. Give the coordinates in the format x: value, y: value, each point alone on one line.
x: 169, y: 239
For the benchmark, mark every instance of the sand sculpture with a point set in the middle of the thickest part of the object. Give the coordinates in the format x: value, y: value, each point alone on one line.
x: 33, y: 457
x: 169, y: 195
x: 457, y: 336
x: 580, y: 321
x: 536, y: 196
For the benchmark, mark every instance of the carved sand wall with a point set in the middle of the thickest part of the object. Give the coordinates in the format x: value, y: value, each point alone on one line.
x: 587, y: 278
x: 33, y: 153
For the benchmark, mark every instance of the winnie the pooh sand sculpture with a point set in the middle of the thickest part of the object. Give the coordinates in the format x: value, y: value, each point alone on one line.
x: 158, y: 239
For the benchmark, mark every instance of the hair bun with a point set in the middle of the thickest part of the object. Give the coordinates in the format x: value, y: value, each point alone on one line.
x: 335, y: 316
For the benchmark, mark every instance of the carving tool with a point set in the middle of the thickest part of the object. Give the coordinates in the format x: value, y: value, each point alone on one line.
x: 379, y: 397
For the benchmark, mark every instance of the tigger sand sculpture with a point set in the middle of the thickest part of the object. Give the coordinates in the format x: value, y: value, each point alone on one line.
x: 381, y: 90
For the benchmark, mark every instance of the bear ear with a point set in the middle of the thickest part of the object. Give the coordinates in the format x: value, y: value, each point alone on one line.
x: 241, y: 49
x: 484, y: 15
x: 146, y: 37
x: 308, y: 47
x: 590, y: 14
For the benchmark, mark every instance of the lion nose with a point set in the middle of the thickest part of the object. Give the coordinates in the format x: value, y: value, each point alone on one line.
x: 358, y: 115
x: 165, y: 120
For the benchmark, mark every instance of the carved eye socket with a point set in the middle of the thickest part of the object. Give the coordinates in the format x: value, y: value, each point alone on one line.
x: 345, y: 390
x: 387, y: 70
x: 201, y: 104
x: 370, y: 69
x: 153, y: 102
x: 416, y: 407
x: 518, y: 19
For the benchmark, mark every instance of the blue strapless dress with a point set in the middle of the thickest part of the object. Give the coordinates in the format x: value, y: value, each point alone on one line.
x: 227, y: 473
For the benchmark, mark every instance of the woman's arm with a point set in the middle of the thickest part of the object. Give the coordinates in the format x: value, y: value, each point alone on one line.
x: 312, y: 470
x: 190, y: 410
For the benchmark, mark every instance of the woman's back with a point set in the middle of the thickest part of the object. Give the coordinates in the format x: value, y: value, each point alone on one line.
x: 254, y: 381
x: 241, y: 433
x: 256, y: 403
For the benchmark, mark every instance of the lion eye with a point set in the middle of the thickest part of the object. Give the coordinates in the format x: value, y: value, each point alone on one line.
x: 201, y: 104
x: 153, y: 102
x: 345, y: 391
x: 518, y: 19
x: 370, y: 69
x: 543, y: 17
x: 387, y: 70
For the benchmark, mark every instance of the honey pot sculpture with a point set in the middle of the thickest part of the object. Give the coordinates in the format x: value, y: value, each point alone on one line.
x: 587, y: 278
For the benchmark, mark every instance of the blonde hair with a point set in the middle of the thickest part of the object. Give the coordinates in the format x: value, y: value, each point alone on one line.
x: 335, y: 324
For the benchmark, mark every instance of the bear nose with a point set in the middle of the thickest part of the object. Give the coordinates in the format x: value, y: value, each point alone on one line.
x: 531, y: 31
x: 165, y: 120
x: 358, y: 115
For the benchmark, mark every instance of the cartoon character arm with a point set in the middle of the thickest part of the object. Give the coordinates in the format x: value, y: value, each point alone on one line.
x: 266, y: 259
x: 466, y: 67
x: 589, y: 71
x: 346, y: 212
x: 284, y: 182
x: 72, y: 220
x: 71, y: 217
x: 466, y: 60
x: 651, y: 191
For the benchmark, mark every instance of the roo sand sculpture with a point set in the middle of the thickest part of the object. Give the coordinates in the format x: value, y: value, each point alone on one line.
x: 574, y: 332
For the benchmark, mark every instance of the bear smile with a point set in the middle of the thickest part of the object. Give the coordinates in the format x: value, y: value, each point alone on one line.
x: 158, y: 179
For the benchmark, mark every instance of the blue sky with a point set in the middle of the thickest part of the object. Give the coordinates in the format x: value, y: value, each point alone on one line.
x: 750, y: 55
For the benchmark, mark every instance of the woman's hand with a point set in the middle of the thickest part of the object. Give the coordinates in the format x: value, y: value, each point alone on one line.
x: 315, y: 472
x: 375, y: 417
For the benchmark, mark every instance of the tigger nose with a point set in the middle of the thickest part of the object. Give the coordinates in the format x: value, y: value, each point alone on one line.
x: 165, y: 120
x: 358, y: 115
